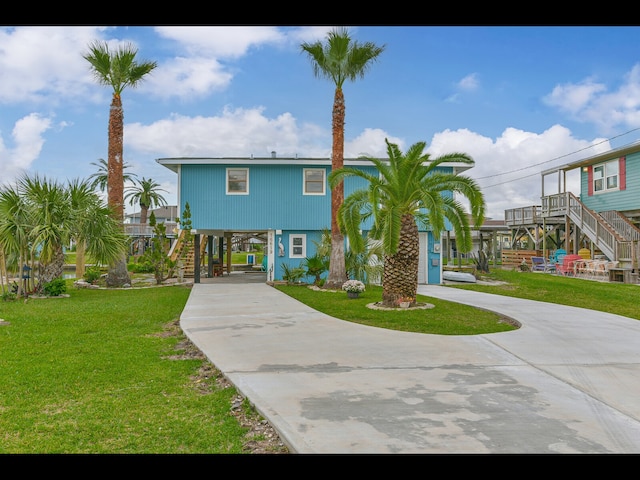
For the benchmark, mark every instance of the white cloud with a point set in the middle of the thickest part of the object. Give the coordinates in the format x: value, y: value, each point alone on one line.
x: 370, y: 143
x: 591, y: 102
x: 44, y: 65
x: 574, y: 98
x: 28, y: 140
x: 188, y: 78
x: 508, y: 169
x: 236, y: 133
x: 221, y: 42
x: 469, y: 83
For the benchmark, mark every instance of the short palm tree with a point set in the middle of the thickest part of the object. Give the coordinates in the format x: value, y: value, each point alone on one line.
x: 43, y: 216
x: 14, y: 231
x: 147, y: 194
x: 340, y: 59
x: 407, y: 189
x: 118, y: 70
x: 100, y: 178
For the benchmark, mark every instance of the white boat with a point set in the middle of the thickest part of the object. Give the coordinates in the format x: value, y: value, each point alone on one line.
x: 458, y: 276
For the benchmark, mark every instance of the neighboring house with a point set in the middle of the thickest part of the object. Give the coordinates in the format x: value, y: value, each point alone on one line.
x: 136, y: 230
x: 604, y: 216
x: 490, y: 237
x: 167, y: 214
x: 285, y: 200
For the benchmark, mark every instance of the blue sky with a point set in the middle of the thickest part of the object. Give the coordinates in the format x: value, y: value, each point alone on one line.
x: 519, y: 100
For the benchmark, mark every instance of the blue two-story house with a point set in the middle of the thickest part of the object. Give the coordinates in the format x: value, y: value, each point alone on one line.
x: 286, y: 200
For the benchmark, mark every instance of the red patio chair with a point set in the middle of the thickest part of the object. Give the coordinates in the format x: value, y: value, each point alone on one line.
x: 567, y: 266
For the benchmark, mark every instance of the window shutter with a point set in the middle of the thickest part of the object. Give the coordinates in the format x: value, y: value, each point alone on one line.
x: 622, y: 168
x: 590, y: 180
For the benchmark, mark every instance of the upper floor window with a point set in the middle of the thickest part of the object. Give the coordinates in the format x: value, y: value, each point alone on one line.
x: 314, y: 181
x: 605, y: 176
x: 238, y: 181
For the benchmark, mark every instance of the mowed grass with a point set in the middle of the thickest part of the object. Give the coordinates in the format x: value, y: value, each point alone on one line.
x: 612, y: 297
x: 448, y: 318
x: 104, y: 371
x: 101, y: 372
x: 445, y: 318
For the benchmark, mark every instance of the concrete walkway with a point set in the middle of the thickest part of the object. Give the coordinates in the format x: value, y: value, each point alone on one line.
x: 568, y: 381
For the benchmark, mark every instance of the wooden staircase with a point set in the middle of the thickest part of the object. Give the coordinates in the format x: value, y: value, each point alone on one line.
x: 616, y: 238
x: 184, y: 250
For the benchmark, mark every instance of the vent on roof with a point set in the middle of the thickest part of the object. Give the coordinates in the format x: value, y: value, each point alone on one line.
x: 273, y: 154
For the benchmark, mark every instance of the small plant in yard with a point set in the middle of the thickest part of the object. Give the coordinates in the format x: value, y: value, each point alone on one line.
x: 292, y: 275
x: 408, y: 300
x: 354, y: 286
x: 55, y: 287
x: 92, y: 274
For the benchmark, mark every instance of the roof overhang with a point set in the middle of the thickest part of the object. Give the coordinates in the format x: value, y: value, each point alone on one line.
x: 174, y: 164
x: 599, y: 158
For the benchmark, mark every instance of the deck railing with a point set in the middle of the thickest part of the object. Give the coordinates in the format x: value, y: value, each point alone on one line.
x: 144, y: 230
x: 603, y: 233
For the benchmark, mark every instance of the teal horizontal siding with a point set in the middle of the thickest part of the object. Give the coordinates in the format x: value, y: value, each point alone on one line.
x: 621, y: 200
x: 275, y: 199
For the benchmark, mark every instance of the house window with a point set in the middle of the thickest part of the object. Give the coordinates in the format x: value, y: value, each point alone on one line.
x: 297, y: 246
x: 314, y: 181
x: 605, y: 176
x: 237, y: 181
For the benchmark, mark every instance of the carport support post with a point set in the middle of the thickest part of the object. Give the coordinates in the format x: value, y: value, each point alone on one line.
x: 210, y: 256
x: 196, y: 256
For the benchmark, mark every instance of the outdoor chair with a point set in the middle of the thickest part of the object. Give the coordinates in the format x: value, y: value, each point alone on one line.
x: 541, y: 264
x: 558, y: 255
x: 567, y: 267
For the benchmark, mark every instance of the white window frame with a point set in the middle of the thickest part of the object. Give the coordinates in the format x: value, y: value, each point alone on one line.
x: 234, y: 192
x: 610, y: 174
x: 297, y: 245
x: 304, y: 181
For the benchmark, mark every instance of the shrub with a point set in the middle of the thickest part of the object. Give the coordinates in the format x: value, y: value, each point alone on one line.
x: 292, y: 274
x: 354, y: 286
x: 8, y: 296
x: 145, y: 266
x: 92, y: 274
x: 55, y: 287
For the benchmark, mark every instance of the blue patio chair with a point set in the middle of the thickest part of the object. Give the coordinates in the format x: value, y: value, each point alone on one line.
x: 558, y: 256
x: 541, y: 264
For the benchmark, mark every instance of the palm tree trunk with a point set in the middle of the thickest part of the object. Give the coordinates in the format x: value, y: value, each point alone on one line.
x: 118, y: 274
x: 337, y: 270
x: 80, y: 260
x: 400, y: 278
x: 54, y: 269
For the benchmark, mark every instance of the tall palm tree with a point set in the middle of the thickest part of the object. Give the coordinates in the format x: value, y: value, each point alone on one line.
x: 340, y: 59
x: 407, y: 189
x: 100, y: 179
x: 147, y: 194
x: 118, y: 70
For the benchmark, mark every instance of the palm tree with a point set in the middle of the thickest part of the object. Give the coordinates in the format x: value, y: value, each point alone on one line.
x: 14, y: 231
x: 100, y: 178
x: 147, y: 194
x: 117, y: 70
x: 338, y: 60
x: 39, y: 217
x: 407, y: 189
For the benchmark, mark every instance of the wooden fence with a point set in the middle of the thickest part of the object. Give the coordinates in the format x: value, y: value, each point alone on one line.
x: 513, y: 258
